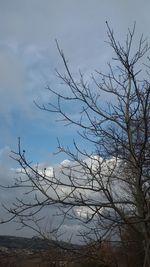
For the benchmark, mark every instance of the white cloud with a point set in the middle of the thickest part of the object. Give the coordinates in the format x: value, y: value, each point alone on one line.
x: 8, y: 171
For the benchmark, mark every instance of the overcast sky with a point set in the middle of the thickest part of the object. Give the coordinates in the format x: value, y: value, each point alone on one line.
x: 28, y: 58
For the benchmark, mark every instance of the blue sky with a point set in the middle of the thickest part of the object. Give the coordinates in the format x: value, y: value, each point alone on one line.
x: 28, y: 58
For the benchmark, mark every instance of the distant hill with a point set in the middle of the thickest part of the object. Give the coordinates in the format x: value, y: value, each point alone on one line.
x: 34, y: 243
x: 14, y: 242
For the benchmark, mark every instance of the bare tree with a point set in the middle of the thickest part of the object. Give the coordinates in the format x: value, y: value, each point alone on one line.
x: 111, y: 184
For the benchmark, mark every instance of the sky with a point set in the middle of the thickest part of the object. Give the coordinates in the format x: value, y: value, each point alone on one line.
x: 28, y: 58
